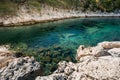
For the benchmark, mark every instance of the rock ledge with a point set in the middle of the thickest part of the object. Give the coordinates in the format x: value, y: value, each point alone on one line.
x: 101, y: 62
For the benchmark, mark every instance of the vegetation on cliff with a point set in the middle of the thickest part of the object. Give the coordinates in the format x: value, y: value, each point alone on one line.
x: 10, y: 6
x: 92, y: 5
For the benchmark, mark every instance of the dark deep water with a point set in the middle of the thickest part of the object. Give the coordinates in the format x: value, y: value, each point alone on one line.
x: 57, y: 41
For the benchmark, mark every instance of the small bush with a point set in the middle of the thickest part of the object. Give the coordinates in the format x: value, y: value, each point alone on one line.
x: 8, y: 8
x: 18, y: 54
x: 34, y: 4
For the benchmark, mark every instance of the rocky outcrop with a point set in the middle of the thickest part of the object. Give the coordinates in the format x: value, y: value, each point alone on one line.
x: 13, y: 68
x: 6, y: 56
x: 25, y: 15
x: 101, y: 62
x: 21, y: 69
x: 102, y: 49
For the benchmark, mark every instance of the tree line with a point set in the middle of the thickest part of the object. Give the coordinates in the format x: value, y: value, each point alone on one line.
x: 84, y: 5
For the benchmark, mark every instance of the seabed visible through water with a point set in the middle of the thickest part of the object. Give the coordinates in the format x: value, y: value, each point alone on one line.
x: 56, y: 41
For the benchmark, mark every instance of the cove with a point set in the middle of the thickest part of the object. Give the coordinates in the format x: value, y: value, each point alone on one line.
x: 57, y: 41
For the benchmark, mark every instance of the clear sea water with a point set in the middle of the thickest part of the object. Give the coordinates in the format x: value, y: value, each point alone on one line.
x: 57, y: 41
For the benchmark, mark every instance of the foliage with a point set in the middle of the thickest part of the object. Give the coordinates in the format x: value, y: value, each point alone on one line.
x: 9, y: 6
x: 84, y: 5
x: 34, y: 4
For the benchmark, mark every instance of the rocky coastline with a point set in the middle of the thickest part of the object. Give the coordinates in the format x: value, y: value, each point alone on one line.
x: 17, y: 68
x: 27, y: 16
x: 101, y: 62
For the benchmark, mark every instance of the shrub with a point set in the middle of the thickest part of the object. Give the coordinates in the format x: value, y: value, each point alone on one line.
x: 34, y: 4
x: 8, y: 8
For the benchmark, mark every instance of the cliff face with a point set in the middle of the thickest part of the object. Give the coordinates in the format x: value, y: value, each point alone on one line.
x: 20, y: 12
x: 26, y: 15
x: 101, y: 62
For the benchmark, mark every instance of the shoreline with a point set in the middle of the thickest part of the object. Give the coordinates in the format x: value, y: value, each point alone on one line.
x: 49, y: 15
x: 30, y: 22
x: 92, y: 63
x: 100, y: 62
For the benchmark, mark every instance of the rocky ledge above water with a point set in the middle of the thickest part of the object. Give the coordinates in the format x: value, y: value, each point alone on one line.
x: 101, y: 62
x: 14, y: 68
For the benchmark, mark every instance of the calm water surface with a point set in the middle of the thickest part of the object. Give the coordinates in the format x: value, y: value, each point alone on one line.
x: 56, y: 41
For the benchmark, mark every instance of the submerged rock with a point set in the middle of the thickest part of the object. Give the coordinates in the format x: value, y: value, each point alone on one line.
x: 101, y: 62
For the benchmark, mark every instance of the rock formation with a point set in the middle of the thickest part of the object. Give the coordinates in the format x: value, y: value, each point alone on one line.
x: 6, y: 56
x: 26, y: 16
x: 101, y: 62
x: 22, y: 68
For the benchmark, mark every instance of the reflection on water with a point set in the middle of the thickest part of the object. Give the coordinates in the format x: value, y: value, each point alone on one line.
x: 56, y: 41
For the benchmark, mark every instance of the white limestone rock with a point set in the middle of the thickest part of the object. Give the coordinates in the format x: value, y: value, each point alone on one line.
x: 21, y: 69
x: 100, y: 50
x: 101, y: 62
x: 106, y: 67
x: 115, y: 52
x: 110, y: 45
x: 60, y: 76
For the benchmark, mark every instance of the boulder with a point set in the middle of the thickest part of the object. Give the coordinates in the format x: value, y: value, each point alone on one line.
x: 90, y: 51
x: 114, y: 52
x: 110, y: 45
x: 102, y: 49
x: 6, y: 55
x: 25, y: 68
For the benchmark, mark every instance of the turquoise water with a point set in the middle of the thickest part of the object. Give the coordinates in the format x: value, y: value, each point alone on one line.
x: 56, y: 41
